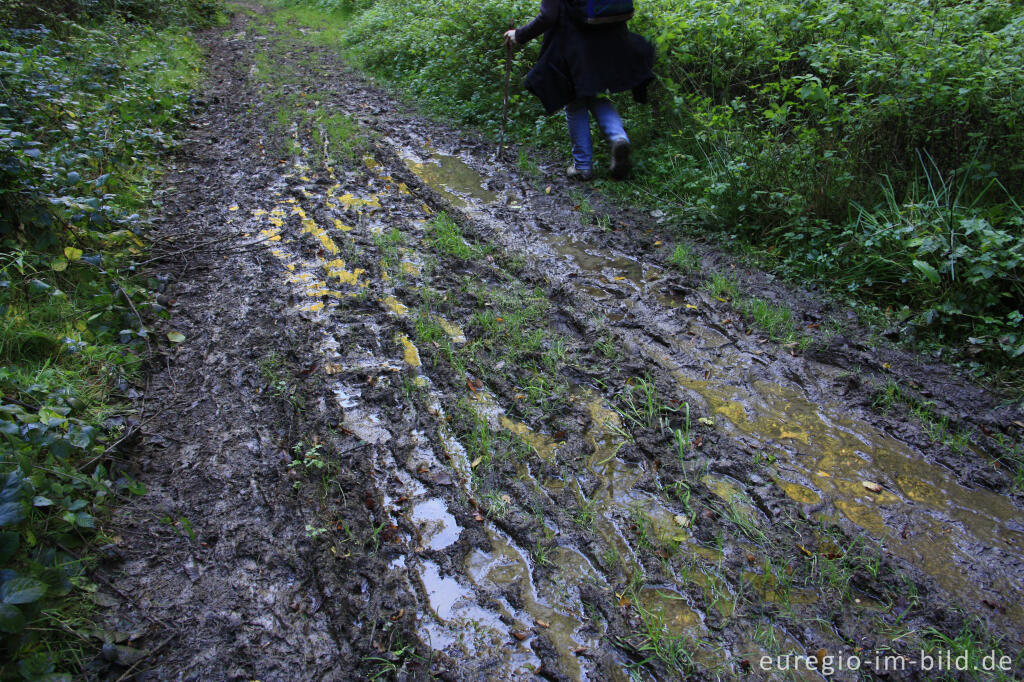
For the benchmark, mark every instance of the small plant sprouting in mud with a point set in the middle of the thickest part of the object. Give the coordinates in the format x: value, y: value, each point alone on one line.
x: 376, y: 536
x: 496, y: 504
x: 273, y: 371
x: 393, y: 662
x: 736, y: 511
x: 776, y: 320
x: 641, y: 405
x: 762, y: 458
x: 314, y: 532
x: 527, y: 164
x: 181, y: 525
x: 585, y: 512
x: 681, y: 491
x: 681, y: 436
x: 975, y: 643
x: 611, y: 558
x: 684, y: 259
x: 308, y: 456
x: 542, y: 553
x: 723, y: 287
x: 657, y: 642
x: 935, y: 425
x: 606, y: 347
x: 581, y: 203
x: 444, y: 234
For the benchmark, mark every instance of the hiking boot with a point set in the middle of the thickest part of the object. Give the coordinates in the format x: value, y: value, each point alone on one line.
x: 620, y: 158
x: 574, y: 173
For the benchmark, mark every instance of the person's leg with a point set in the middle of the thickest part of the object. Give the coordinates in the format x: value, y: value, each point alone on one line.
x: 608, y: 119
x: 611, y: 125
x: 577, y: 117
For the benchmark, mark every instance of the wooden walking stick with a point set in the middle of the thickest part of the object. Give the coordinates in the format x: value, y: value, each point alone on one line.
x: 508, y: 82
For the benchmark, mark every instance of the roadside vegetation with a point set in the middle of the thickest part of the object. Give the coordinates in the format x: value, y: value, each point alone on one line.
x: 91, y: 94
x: 873, y: 148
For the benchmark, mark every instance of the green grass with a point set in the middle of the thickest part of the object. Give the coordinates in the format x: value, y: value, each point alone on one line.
x: 683, y: 258
x: 775, y: 319
x: 444, y: 235
x: 723, y: 287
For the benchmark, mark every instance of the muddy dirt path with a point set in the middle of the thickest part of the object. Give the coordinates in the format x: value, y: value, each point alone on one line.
x: 438, y: 416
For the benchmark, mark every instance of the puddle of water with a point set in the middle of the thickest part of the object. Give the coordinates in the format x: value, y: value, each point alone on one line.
x: 507, y: 565
x: 450, y: 600
x: 544, y: 445
x: 673, y: 609
x: 922, y: 513
x: 590, y: 259
x: 731, y: 492
x: 437, y: 526
x: 771, y: 589
x: 452, y: 178
x: 365, y: 426
x: 800, y: 493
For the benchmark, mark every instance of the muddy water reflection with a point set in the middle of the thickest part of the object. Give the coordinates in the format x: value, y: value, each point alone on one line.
x: 451, y: 177
x: 438, y: 527
x: 922, y: 513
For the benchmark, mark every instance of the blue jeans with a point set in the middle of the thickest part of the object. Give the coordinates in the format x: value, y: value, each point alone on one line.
x: 577, y: 116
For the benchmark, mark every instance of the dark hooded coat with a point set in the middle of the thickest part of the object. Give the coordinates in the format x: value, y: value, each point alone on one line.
x: 577, y: 60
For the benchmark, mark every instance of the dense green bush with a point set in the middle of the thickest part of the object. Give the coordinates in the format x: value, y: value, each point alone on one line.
x: 877, y: 144
x: 55, y: 14
x: 86, y: 116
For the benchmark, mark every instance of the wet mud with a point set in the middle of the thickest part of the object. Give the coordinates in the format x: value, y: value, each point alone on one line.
x: 437, y: 417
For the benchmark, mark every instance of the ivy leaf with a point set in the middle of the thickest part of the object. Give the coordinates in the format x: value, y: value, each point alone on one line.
x: 12, y: 620
x: 22, y: 590
x: 72, y: 253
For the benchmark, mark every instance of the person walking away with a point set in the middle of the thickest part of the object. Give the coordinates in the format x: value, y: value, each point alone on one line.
x: 578, y: 63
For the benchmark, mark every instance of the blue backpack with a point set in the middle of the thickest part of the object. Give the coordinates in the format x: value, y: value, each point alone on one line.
x: 595, y: 12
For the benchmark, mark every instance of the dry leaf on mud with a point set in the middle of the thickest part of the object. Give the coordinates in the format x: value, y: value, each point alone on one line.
x: 543, y: 624
x: 871, y: 486
x: 706, y: 421
x: 175, y: 337
x: 682, y: 520
x: 519, y: 635
x: 474, y: 384
x: 476, y: 462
